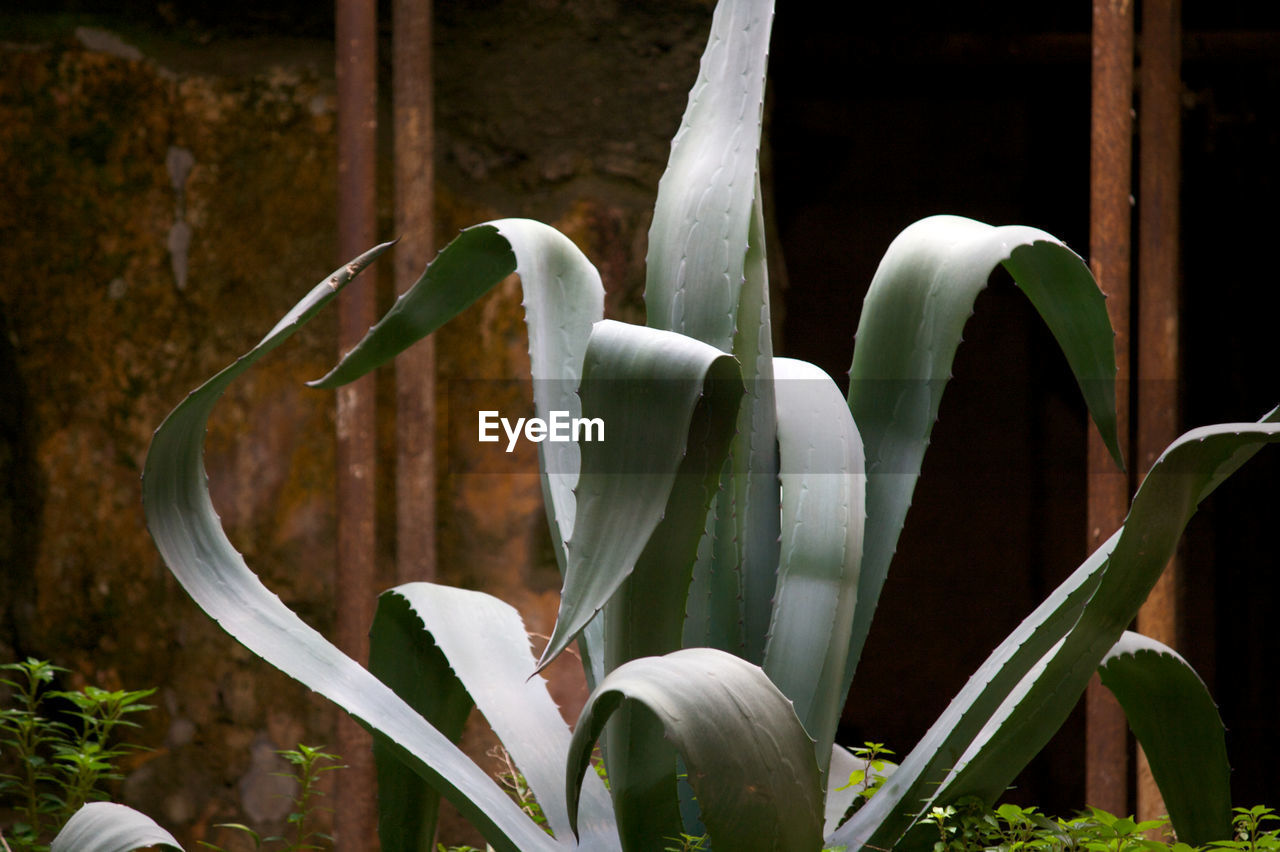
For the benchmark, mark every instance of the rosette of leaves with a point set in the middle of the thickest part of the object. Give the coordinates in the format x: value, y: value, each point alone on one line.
x: 724, y: 548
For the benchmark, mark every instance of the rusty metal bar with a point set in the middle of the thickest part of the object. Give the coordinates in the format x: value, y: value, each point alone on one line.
x: 355, y: 816
x: 416, y: 368
x: 1106, y: 763
x: 1159, y: 156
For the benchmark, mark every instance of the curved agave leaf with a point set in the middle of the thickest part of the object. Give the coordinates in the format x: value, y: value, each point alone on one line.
x: 107, y: 827
x: 1176, y: 722
x: 482, y: 645
x: 1024, y: 691
x: 750, y: 763
x: 563, y: 297
x: 823, y: 488
x: 668, y: 403
x: 910, y: 326
x: 186, y: 530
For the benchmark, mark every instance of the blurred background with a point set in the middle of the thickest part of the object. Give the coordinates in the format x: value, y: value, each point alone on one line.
x: 121, y: 121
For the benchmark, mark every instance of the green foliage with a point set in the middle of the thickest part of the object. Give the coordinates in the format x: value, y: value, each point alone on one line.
x: 309, y: 764
x: 870, y: 777
x: 517, y: 786
x: 970, y: 826
x: 724, y: 550
x: 1249, y: 833
x: 63, y: 757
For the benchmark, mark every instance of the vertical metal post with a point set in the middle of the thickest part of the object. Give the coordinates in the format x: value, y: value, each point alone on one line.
x: 412, y: 92
x: 1159, y: 156
x: 355, y: 818
x: 1106, y: 765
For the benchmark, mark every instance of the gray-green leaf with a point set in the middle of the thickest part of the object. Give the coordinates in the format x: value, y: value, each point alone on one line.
x: 1178, y: 726
x: 750, y: 763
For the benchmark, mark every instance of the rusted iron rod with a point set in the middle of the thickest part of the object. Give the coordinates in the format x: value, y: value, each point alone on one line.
x: 1159, y: 165
x: 355, y: 820
x: 412, y: 107
x: 1106, y: 763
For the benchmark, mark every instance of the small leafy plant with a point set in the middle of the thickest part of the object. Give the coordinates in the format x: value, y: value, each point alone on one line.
x: 871, y: 775
x: 969, y: 826
x: 724, y: 549
x: 62, y: 743
x: 309, y: 764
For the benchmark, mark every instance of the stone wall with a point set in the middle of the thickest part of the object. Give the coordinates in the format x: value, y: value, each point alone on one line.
x: 161, y: 205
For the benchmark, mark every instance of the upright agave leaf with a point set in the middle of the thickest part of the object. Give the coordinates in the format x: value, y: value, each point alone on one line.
x: 698, y: 239
x: 418, y: 671
x: 823, y: 510
x: 707, y: 278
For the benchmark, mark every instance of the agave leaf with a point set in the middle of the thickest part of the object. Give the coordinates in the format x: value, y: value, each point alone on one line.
x: 186, y: 530
x: 895, y: 806
x: 749, y: 760
x: 754, y: 454
x: 823, y: 488
x: 107, y: 827
x: 1023, y: 692
x: 403, y: 657
x: 731, y: 600
x: 668, y: 403
x: 910, y: 326
x: 706, y: 255
x: 563, y: 297
x: 481, y: 643
x: 703, y: 212
x: 1176, y: 722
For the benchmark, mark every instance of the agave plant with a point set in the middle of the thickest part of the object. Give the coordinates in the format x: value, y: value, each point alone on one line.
x: 724, y: 548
